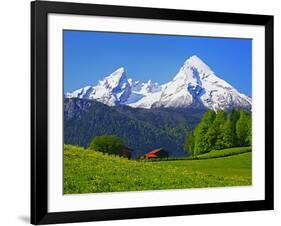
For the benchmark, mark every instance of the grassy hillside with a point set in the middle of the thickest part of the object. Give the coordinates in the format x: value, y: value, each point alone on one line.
x: 87, y: 171
x: 224, y: 152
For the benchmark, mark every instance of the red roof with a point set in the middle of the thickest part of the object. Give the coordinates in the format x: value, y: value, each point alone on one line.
x: 154, y: 151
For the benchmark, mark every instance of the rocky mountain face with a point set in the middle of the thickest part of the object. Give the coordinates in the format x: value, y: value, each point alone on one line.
x: 194, y: 86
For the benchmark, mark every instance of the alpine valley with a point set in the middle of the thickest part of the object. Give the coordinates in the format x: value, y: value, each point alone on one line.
x: 148, y: 115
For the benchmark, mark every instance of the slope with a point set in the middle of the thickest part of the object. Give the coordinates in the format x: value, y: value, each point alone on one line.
x: 141, y: 129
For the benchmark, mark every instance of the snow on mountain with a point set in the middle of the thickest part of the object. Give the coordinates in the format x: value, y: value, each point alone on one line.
x: 195, y: 85
x: 83, y: 93
x: 112, y: 90
x: 143, y: 95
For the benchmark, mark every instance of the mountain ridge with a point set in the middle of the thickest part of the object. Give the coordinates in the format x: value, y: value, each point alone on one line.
x: 195, y: 85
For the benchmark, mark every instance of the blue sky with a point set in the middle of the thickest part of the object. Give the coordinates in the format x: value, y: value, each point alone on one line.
x: 90, y: 56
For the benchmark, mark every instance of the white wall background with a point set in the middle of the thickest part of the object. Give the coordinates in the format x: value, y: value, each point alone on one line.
x: 15, y: 113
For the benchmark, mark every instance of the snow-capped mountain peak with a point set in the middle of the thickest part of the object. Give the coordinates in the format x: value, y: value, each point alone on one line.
x: 117, y: 74
x: 195, y: 85
x: 193, y: 69
x: 114, y: 78
x: 111, y: 90
x: 196, y: 62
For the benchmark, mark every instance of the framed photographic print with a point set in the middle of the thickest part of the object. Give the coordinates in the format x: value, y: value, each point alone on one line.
x: 144, y: 112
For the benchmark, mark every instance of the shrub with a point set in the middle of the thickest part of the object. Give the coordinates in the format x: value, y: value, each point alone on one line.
x: 109, y: 144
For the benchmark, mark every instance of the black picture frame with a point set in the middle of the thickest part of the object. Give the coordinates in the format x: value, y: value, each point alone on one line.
x: 39, y: 112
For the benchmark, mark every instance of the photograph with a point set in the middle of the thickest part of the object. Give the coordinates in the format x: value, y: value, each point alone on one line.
x: 148, y: 112
x: 152, y: 112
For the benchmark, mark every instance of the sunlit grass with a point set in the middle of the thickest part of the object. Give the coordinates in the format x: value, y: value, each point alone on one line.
x: 88, y: 171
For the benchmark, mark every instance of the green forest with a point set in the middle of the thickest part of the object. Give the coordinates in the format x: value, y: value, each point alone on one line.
x: 140, y: 129
x: 220, y: 130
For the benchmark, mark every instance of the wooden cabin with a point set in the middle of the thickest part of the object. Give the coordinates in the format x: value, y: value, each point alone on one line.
x: 126, y: 152
x: 157, y: 153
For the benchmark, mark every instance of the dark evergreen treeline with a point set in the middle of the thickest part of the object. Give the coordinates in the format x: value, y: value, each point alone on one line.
x: 219, y: 130
x: 140, y: 129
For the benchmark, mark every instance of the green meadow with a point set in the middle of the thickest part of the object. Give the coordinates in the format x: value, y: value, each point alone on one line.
x: 88, y: 171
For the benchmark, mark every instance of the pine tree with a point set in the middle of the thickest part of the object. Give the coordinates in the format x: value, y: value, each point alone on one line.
x: 220, y: 130
x: 200, y: 133
x: 243, y: 129
x: 189, y: 144
x: 211, y: 138
x: 218, y: 126
x: 229, y: 129
x: 250, y: 131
